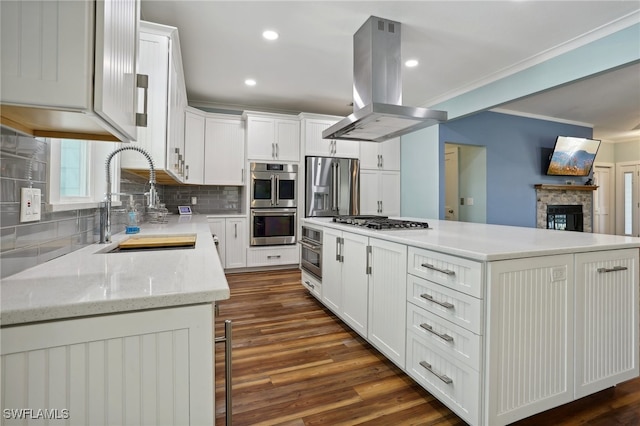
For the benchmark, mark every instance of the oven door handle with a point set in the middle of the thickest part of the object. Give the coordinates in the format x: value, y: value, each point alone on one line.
x: 273, y: 192
x: 277, y: 190
x: 308, y: 245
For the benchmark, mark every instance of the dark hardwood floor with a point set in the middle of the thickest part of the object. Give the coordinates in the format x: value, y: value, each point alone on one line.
x: 295, y: 363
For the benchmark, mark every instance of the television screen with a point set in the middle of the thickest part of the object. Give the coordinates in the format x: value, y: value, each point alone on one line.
x: 573, y: 156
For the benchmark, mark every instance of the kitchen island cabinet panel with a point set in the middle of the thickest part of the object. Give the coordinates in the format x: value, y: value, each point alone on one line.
x: 150, y: 367
x: 530, y: 317
x: 606, y: 314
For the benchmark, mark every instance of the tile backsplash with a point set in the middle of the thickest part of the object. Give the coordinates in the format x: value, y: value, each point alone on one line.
x: 24, y: 161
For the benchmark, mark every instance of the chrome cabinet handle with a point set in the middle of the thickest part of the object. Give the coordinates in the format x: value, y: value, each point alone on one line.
x: 442, y: 377
x: 430, y: 329
x: 368, y: 269
x: 186, y: 172
x: 273, y: 150
x: 614, y: 269
x: 381, y: 161
x: 235, y: 227
x: 309, y: 284
x: 242, y: 175
x: 434, y: 268
x: 277, y: 150
x: 437, y: 302
x: 142, y: 82
x: 275, y: 256
x: 338, y: 249
x: 381, y: 207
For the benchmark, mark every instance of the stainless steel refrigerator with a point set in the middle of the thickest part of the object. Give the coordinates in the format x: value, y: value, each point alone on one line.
x: 332, y: 186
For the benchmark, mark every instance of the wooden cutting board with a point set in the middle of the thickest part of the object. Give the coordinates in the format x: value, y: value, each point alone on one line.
x: 159, y: 241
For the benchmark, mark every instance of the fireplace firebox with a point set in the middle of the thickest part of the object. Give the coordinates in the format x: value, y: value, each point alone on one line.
x: 565, y: 217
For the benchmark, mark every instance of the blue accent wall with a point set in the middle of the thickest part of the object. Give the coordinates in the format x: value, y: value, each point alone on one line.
x: 514, y: 160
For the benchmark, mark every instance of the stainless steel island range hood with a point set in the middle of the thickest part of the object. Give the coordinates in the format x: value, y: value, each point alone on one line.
x: 378, y: 113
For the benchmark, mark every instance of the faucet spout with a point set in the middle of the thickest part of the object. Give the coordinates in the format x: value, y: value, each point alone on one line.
x: 105, y: 215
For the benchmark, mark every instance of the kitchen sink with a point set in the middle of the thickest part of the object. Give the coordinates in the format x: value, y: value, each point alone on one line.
x: 140, y: 243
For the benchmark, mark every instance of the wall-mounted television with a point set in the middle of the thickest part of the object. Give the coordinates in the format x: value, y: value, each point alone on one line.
x: 572, y: 156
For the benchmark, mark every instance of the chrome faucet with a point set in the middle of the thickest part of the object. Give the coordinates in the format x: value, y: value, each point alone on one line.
x: 105, y: 212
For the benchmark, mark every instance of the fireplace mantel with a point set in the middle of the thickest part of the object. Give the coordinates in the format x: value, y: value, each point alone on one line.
x: 566, y: 187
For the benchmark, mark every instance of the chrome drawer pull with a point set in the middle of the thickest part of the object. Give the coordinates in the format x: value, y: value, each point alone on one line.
x: 442, y: 377
x: 437, y: 302
x: 309, y: 284
x: 274, y: 256
x: 430, y: 329
x: 614, y: 269
x: 433, y: 268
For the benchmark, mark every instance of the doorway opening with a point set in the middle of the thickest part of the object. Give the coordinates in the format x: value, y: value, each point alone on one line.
x: 465, y: 183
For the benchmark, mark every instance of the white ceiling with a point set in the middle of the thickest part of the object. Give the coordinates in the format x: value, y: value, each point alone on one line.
x: 460, y: 45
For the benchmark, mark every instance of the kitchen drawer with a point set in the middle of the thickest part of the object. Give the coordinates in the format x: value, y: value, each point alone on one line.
x: 459, y: 308
x: 452, y: 382
x: 453, y: 340
x: 274, y: 255
x: 454, y: 272
x: 312, y: 284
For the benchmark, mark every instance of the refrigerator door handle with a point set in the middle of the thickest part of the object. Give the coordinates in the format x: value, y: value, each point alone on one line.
x: 338, y: 187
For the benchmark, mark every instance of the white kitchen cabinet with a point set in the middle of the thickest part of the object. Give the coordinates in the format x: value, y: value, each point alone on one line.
x: 232, y: 240
x: 315, y: 145
x: 312, y: 284
x: 194, y: 145
x: 236, y: 243
x: 379, y: 192
x: 68, y: 68
x: 148, y: 367
x: 273, y: 255
x: 605, y: 319
x: 380, y: 155
x: 272, y: 137
x: 164, y: 136
x: 363, y: 282
x: 387, y: 298
x: 224, y: 150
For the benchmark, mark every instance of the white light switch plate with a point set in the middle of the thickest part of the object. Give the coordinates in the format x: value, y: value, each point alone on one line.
x: 30, y: 204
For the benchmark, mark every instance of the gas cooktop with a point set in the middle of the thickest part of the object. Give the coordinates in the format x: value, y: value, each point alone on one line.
x: 380, y: 222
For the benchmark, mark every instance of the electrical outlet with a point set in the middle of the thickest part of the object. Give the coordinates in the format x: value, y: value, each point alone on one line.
x: 30, y: 204
x: 194, y: 200
x: 469, y: 201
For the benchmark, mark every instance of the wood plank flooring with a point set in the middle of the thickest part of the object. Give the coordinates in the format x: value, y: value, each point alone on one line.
x: 295, y: 363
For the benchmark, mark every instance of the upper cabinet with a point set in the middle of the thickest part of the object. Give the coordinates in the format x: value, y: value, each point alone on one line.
x: 69, y: 67
x: 312, y: 128
x: 380, y: 156
x: 194, y: 140
x: 272, y: 137
x: 224, y: 150
x: 164, y: 135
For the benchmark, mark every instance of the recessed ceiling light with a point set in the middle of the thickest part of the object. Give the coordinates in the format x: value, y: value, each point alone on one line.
x: 270, y: 35
x: 411, y: 63
x: 250, y: 82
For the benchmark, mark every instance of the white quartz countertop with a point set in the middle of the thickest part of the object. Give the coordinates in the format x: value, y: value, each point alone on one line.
x: 90, y: 281
x: 489, y: 242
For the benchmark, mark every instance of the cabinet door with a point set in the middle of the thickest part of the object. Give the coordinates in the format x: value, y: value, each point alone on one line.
x: 236, y: 243
x: 346, y: 149
x: 331, y: 270
x: 116, y: 45
x: 389, y: 195
x: 175, y: 118
x: 354, y: 282
x: 218, y: 228
x: 388, y: 298
x: 390, y: 154
x: 369, y: 155
x: 194, y: 148
x: 224, y: 152
x: 313, y: 142
x: 606, y: 319
x: 153, y: 60
x: 287, y: 138
x: 369, y: 192
x: 261, y: 138
x: 529, y: 341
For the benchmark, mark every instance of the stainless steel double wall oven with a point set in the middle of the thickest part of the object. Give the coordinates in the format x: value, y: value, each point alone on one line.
x: 274, y: 205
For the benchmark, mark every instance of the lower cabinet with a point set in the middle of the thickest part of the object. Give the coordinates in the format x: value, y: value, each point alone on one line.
x: 273, y: 255
x: 232, y: 240
x: 146, y: 367
x: 363, y: 282
x: 313, y: 284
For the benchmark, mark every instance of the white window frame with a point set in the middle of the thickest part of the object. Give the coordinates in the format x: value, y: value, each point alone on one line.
x: 97, y: 185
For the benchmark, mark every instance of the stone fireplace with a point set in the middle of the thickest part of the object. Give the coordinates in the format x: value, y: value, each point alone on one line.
x: 565, y: 195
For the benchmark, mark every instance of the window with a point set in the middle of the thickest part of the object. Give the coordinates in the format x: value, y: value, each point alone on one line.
x: 77, y: 176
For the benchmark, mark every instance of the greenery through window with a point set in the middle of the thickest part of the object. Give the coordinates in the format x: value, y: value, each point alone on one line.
x: 74, y: 158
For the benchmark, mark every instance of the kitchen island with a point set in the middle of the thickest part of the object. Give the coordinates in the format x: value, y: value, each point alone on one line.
x: 116, y: 337
x: 497, y: 322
